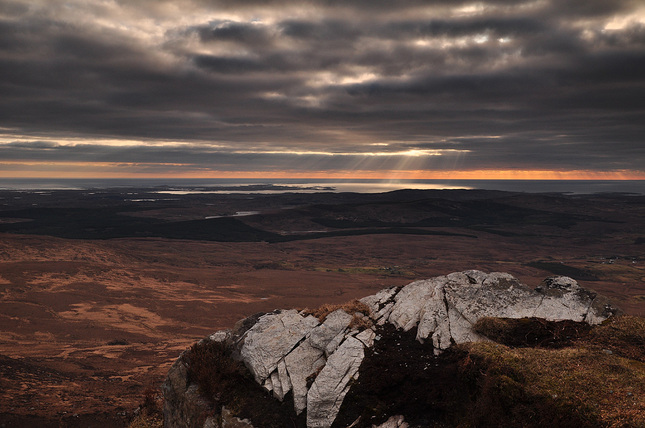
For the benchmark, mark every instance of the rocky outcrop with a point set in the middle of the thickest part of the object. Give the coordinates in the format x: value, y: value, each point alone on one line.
x: 444, y: 309
x: 312, y: 362
x: 265, y: 345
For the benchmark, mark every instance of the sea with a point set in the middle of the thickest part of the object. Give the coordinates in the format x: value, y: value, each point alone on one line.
x: 216, y: 185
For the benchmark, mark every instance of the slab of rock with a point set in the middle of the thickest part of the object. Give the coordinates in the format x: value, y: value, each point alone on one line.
x: 271, y: 339
x: 367, y: 337
x: 331, y: 385
x: 333, y: 344
x: 301, y: 363
x: 335, y: 324
x: 381, y: 304
x: 434, y: 320
x: 410, y: 301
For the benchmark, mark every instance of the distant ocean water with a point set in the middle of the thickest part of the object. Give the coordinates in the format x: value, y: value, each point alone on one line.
x: 326, y: 185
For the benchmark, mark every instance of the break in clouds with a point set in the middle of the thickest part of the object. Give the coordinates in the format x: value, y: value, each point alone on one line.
x: 354, y: 84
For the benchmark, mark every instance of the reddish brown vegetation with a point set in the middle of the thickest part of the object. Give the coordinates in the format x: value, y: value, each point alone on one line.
x: 488, y: 384
x: 534, y: 332
x: 87, y: 325
x: 351, y: 307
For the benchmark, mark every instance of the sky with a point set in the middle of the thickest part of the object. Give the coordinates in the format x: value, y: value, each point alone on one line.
x: 542, y: 89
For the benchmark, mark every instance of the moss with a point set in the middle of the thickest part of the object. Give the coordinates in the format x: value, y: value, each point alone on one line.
x: 212, y: 368
x: 505, y: 389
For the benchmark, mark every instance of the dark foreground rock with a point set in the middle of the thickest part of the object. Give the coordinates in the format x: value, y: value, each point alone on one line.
x: 291, y: 368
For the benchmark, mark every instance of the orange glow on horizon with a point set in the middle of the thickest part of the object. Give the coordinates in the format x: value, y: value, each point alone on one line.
x: 105, y: 170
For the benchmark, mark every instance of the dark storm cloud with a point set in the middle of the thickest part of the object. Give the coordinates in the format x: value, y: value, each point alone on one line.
x: 547, y: 84
x: 463, y: 27
x: 232, y: 31
x: 228, y: 65
x: 361, y: 5
x: 199, y: 157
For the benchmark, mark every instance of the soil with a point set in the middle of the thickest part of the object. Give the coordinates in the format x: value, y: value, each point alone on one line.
x: 93, y: 311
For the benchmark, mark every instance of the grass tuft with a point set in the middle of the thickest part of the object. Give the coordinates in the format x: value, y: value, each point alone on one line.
x: 598, y: 381
x: 623, y: 335
x: 149, y: 413
x: 351, y: 307
x: 213, y: 369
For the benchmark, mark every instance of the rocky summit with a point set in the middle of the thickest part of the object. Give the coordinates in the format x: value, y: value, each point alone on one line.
x: 308, y: 361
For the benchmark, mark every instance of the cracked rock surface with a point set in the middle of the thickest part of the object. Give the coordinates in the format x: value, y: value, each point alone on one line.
x: 291, y: 352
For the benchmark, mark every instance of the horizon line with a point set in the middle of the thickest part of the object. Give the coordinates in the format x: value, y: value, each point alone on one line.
x: 481, y: 174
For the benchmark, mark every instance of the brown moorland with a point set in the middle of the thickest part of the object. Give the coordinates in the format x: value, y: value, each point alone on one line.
x: 98, y: 296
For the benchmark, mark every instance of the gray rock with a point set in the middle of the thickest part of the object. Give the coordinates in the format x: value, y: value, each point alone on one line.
x: 276, y: 386
x: 278, y: 382
x: 434, y: 320
x: 410, y: 301
x: 334, y: 343
x: 367, y: 337
x: 460, y: 299
x: 284, y: 349
x: 301, y: 363
x: 271, y: 338
x: 283, y: 377
x: 220, y: 336
x: 383, y: 314
x: 498, y: 295
x: 211, y: 422
x: 330, y: 387
x: 380, y: 304
x: 562, y: 298
x: 334, y: 324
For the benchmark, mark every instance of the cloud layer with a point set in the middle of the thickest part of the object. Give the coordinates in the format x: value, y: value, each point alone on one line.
x: 217, y: 85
